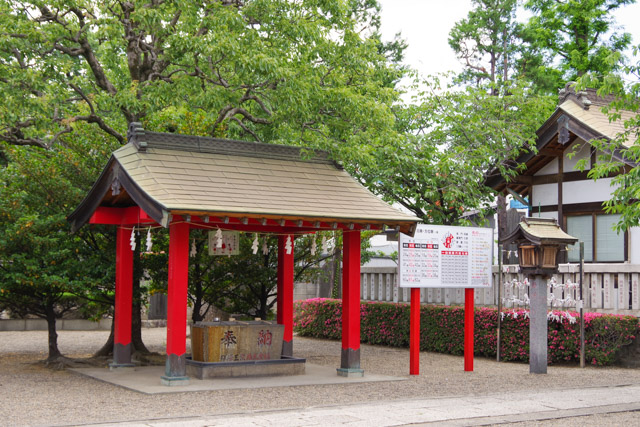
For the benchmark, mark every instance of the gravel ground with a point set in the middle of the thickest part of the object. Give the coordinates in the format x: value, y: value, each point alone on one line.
x: 34, y: 395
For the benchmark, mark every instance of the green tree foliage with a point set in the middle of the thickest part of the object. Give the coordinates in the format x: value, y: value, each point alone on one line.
x: 573, y: 38
x: 495, y: 57
x: 563, y: 40
x: 308, y: 72
x: 485, y: 41
x: 453, y: 138
x: 625, y: 198
x: 45, y: 271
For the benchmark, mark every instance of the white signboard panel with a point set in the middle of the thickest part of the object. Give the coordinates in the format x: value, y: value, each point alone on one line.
x: 441, y: 256
x: 230, y: 243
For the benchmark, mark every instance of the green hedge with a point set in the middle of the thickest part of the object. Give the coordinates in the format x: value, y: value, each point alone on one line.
x: 442, y: 330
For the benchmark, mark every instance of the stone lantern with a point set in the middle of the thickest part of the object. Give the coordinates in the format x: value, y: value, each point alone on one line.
x: 539, y: 243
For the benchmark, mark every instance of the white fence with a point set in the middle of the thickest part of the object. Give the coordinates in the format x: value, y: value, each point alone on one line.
x: 611, y: 288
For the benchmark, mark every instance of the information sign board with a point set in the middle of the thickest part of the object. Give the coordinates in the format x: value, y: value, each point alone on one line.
x: 440, y: 256
x: 230, y: 243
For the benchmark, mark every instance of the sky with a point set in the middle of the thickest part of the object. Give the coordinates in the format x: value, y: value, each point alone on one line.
x: 425, y: 24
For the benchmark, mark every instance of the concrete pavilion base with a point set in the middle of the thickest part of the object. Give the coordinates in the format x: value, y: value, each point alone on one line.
x: 246, y: 368
x: 146, y: 379
x: 174, y: 381
x: 122, y: 366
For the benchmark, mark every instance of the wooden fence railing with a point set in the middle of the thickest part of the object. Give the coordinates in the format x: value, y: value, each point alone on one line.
x: 612, y: 288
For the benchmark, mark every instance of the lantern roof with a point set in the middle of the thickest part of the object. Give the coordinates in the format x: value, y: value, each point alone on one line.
x: 539, y: 231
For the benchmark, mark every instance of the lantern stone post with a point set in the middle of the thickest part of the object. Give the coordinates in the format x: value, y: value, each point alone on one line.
x: 538, y: 327
x: 539, y: 242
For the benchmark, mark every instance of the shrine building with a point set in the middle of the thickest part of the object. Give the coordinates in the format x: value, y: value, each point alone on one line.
x: 184, y: 182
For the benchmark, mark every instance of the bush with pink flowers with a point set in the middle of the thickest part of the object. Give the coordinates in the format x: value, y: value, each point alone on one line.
x: 442, y: 330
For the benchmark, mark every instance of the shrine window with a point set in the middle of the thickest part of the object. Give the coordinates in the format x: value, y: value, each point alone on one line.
x: 601, y: 242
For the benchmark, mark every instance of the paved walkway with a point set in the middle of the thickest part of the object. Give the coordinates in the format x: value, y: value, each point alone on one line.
x: 448, y: 411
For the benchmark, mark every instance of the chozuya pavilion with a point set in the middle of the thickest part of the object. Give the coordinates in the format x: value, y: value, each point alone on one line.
x: 182, y: 182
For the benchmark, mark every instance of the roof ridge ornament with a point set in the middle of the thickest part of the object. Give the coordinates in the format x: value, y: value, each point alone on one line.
x: 136, y: 135
x: 564, y: 93
x: 581, y: 97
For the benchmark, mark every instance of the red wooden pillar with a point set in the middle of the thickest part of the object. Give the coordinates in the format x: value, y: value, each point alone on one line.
x: 285, y: 293
x: 124, y: 300
x: 468, y: 329
x: 350, y: 355
x: 414, y: 333
x: 175, y: 369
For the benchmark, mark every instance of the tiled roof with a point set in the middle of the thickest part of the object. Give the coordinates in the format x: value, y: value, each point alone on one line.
x: 202, y: 181
x: 180, y: 174
x: 545, y: 229
x: 540, y: 230
x: 586, y: 121
x: 596, y: 119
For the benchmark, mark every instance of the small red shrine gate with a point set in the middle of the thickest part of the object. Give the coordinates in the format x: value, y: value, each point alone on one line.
x: 183, y: 182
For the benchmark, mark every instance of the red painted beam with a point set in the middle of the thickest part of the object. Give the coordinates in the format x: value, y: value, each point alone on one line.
x: 468, y: 329
x: 124, y: 298
x: 177, y: 292
x: 120, y: 216
x: 414, y: 333
x: 285, y: 293
x: 270, y: 225
x: 252, y: 228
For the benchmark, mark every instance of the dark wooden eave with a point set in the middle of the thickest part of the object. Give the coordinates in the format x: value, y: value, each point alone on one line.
x: 102, y: 194
x: 550, y: 144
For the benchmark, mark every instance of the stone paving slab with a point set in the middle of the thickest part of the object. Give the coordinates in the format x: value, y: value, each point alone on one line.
x: 449, y: 411
x: 146, y: 379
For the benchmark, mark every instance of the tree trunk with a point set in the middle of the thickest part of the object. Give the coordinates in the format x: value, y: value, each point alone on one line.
x: 54, y: 352
x: 493, y: 60
x: 335, y: 274
x: 505, y: 57
x: 196, y: 316
x: 502, y: 221
x: 107, y: 347
x: 263, y: 309
x: 136, y: 321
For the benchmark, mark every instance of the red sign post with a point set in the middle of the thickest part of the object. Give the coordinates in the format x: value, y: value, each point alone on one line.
x: 468, y: 329
x: 414, y: 333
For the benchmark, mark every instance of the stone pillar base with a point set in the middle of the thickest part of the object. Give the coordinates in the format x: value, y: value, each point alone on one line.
x: 175, y: 366
x: 122, y: 354
x: 174, y: 381
x: 287, y: 348
x: 175, y: 372
x: 350, y: 372
x: 349, y: 358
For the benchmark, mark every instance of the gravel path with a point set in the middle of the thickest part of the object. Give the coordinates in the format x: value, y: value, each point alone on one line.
x: 34, y: 395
